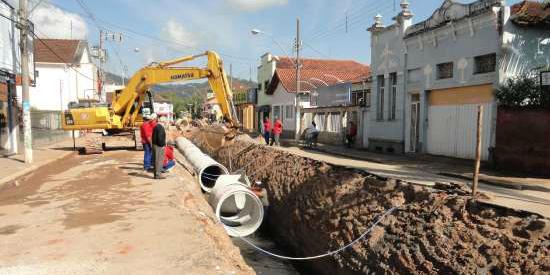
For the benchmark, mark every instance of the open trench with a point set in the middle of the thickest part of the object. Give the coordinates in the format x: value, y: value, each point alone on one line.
x: 317, y: 207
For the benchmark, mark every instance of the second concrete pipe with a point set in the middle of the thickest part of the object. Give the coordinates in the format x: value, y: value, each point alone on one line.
x: 207, y: 169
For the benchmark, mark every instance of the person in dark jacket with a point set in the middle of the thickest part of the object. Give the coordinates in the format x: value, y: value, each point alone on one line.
x: 159, y: 141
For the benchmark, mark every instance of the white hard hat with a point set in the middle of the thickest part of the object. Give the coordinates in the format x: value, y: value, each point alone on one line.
x: 153, y: 116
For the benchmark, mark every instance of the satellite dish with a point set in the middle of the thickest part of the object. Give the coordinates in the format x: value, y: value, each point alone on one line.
x: 136, y: 50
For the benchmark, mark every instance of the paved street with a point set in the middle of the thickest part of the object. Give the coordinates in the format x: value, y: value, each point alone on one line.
x: 422, y: 173
x: 102, y: 214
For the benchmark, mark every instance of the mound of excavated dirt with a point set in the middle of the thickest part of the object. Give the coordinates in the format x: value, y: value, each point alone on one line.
x: 317, y: 207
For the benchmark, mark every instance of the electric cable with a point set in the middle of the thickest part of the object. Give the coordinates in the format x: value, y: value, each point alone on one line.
x: 330, y: 253
x: 69, y: 64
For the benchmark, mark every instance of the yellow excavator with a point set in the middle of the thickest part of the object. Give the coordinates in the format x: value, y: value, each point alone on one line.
x: 125, y: 112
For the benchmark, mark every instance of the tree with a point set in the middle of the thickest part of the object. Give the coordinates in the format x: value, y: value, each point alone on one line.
x: 522, y: 91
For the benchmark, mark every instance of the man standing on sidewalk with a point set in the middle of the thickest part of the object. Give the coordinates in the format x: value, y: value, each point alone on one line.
x: 146, y: 133
x: 277, y: 130
x: 267, y: 130
x: 158, y: 141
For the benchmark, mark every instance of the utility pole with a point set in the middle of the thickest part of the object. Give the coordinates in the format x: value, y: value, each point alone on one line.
x: 102, y: 54
x: 100, y: 64
x: 297, y: 95
x: 24, y: 36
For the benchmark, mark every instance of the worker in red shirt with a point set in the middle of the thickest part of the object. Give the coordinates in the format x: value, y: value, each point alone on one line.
x: 267, y: 129
x: 146, y: 132
x: 169, y: 161
x: 277, y: 130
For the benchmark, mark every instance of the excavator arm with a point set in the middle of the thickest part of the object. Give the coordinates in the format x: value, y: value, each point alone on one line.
x: 125, y: 108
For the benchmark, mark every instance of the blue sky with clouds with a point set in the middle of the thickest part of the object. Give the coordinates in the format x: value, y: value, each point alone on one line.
x: 163, y: 29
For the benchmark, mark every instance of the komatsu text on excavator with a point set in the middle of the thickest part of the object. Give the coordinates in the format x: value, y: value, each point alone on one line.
x: 125, y: 112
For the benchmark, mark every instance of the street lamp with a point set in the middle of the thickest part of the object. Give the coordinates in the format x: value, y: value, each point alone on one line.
x: 259, y: 32
x: 296, y: 64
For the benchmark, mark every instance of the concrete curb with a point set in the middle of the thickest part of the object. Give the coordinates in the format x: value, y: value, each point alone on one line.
x: 7, y: 179
x: 539, y: 188
x: 515, y: 186
x: 345, y: 155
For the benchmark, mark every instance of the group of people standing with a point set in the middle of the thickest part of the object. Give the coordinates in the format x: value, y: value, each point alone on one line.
x: 158, y: 157
x: 272, y: 133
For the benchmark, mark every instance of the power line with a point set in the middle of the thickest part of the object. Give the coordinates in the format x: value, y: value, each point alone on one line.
x: 362, y: 19
x: 358, y: 13
x: 95, y: 19
x: 57, y: 55
x: 354, y: 20
x: 315, y: 50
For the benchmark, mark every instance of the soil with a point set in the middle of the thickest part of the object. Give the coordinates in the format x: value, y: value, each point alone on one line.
x: 316, y: 207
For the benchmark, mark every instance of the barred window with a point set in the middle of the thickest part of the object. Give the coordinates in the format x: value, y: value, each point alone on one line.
x: 445, y: 70
x: 485, y: 63
x: 380, y: 102
x: 393, y: 95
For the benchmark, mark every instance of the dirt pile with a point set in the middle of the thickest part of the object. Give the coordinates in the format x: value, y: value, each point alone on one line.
x: 317, y: 207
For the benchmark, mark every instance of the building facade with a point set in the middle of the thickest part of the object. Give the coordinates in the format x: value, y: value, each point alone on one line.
x: 440, y: 71
x: 386, y: 118
x: 277, y: 85
x: 245, y: 101
x: 10, y: 79
x: 65, y: 74
x: 333, y: 107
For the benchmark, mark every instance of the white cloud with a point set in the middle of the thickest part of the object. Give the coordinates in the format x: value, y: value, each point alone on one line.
x: 53, y: 22
x: 255, y: 5
x: 176, y: 32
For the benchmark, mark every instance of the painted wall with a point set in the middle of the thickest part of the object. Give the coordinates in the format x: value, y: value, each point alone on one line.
x: 517, y: 151
x: 283, y: 99
x: 266, y: 70
x: 387, y: 58
x: 521, y: 49
x: 459, y: 43
x: 57, y: 85
x: 9, y: 42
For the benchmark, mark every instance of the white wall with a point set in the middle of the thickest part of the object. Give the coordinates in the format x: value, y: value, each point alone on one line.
x: 58, y: 84
x: 266, y: 70
x: 53, y: 88
x: 283, y: 98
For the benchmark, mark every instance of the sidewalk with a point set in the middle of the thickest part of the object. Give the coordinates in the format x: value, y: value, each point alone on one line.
x: 14, y: 167
x: 443, y: 166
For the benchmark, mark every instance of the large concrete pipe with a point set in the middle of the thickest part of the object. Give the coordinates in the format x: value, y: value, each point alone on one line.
x: 236, y: 206
x: 207, y: 169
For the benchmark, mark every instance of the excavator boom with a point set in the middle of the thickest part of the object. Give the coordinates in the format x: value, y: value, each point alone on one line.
x: 124, y: 112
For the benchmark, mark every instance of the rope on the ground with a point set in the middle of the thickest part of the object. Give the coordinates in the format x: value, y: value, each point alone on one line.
x: 334, y: 252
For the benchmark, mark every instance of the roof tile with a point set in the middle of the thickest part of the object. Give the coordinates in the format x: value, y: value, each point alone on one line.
x: 530, y: 13
x: 317, y: 72
x: 56, y: 50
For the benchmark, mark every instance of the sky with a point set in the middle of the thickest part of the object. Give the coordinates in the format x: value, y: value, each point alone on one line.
x: 164, y: 29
